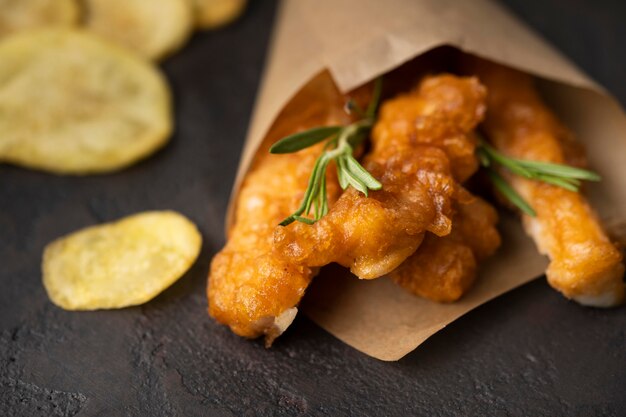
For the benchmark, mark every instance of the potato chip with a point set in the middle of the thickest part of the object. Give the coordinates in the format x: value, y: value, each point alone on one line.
x: 120, y: 264
x: 151, y: 28
x: 27, y: 14
x: 72, y: 103
x: 210, y: 14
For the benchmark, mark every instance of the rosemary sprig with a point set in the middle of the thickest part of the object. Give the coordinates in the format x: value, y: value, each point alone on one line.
x: 563, y: 176
x: 341, y: 141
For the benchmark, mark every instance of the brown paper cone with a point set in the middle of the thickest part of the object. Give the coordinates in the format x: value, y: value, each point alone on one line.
x: 358, y: 40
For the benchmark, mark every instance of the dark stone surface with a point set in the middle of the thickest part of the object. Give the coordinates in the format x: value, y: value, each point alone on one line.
x: 529, y: 352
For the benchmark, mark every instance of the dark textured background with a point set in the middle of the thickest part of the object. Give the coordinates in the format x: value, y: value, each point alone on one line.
x: 527, y: 353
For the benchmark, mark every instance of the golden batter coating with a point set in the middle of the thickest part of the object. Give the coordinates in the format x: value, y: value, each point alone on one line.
x: 251, y: 289
x: 585, y: 265
x: 421, y: 144
x: 444, y: 268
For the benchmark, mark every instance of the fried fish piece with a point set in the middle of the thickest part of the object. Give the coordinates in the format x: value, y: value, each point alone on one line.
x: 584, y: 264
x: 421, y: 145
x: 71, y: 103
x: 250, y: 288
x: 16, y: 15
x: 444, y: 268
x: 151, y: 28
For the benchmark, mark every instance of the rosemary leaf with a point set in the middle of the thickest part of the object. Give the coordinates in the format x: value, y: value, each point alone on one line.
x: 323, y: 200
x: 373, y: 104
x: 318, y: 205
x: 483, y: 157
x: 300, y: 219
x: 361, y: 173
x: 310, y: 190
x: 560, y: 170
x: 356, y: 182
x: 571, y: 185
x: 341, y: 176
x: 288, y: 220
x: 319, y: 172
x: 563, y: 176
x: 509, y: 193
x: 301, y: 140
x: 509, y: 163
x: 340, y: 142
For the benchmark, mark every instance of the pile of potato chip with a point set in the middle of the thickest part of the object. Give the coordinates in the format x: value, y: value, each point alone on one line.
x: 73, y: 104
x: 150, y: 28
x: 80, y: 94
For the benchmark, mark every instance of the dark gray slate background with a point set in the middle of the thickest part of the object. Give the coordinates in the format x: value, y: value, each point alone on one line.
x: 527, y: 353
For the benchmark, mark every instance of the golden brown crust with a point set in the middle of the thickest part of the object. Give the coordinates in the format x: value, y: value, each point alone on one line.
x: 584, y: 265
x: 249, y: 286
x: 444, y: 268
x: 421, y: 144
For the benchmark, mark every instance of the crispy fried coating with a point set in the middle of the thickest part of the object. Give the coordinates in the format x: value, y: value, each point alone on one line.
x: 585, y: 265
x: 444, y: 268
x: 421, y: 144
x: 250, y: 288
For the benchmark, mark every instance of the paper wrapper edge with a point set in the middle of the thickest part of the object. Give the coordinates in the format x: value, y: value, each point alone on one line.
x: 362, y: 39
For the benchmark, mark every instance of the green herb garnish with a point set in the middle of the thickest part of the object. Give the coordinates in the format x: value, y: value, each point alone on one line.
x: 563, y: 176
x: 341, y: 141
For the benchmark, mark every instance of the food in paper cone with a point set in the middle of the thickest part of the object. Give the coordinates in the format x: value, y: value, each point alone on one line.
x: 585, y: 265
x: 415, y: 163
x: 444, y: 268
x: 411, y: 210
x: 252, y: 288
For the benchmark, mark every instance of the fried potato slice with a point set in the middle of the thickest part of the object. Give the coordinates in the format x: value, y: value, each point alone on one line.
x: 210, y: 14
x: 151, y: 28
x: 71, y: 103
x: 28, y: 14
x: 120, y: 264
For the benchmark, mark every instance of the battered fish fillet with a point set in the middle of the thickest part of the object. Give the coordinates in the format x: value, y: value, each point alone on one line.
x: 421, y: 146
x: 444, y: 268
x: 584, y: 264
x: 251, y: 289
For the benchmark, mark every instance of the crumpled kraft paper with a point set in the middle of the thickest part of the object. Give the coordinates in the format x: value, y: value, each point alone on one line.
x: 358, y: 40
